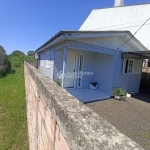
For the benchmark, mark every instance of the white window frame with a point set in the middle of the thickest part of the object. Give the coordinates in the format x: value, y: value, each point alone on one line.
x: 136, y: 68
x: 81, y: 71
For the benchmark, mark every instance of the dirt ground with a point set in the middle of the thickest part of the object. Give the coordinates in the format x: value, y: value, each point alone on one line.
x: 130, y: 115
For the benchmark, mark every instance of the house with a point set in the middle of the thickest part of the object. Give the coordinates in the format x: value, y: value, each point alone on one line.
x: 121, y: 17
x: 31, y: 53
x: 2, y: 60
x: 74, y: 59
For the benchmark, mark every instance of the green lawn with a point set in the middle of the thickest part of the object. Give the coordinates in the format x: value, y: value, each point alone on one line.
x: 13, y: 124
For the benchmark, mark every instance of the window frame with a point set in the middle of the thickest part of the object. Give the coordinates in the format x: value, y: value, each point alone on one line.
x: 81, y: 71
x: 125, y: 69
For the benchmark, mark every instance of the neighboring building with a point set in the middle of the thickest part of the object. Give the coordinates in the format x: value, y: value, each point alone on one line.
x: 31, y: 53
x: 74, y: 59
x: 121, y: 17
x: 1, y: 58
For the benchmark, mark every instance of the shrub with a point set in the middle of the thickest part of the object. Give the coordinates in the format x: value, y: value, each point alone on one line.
x: 119, y: 91
x: 18, y: 61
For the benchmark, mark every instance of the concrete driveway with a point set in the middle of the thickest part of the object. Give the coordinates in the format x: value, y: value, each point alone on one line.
x: 131, y: 116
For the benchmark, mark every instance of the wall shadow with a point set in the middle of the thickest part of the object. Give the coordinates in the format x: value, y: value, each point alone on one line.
x: 145, y: 83
x: 145, y: 97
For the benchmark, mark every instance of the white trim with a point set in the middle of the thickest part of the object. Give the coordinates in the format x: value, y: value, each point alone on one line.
x: 75, y: 69
x: 53, y: 63
x: 82, y: 70
x: 123, y: 66
x: 83, y: 35
x: 71, y: 35
x: 133, y: 67
x: 64, y: 65
x: 113, y: 72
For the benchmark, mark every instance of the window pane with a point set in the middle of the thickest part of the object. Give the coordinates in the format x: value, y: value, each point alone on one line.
x: 137, y: 66
x: 126, y: 66
x: 130, y: 66
x: 80, y: 70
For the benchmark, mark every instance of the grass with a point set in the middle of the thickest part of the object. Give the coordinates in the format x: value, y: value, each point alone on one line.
x: 13, y: 124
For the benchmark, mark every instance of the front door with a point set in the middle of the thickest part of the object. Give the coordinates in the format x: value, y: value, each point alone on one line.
x: 70, y: 70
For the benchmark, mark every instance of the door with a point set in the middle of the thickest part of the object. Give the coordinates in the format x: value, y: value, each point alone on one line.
x: 70, y: 70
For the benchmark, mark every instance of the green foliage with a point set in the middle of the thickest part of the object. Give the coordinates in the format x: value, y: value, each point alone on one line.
x: 118, y: 91
x: 31, y: 53
x: 58, y: 82
x: 13, y: 124
x: 18, y: 61
x: 16, y: 53
x: 130, y: 91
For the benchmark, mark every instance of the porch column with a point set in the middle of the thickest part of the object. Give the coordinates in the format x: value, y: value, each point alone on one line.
x: 64, y: 66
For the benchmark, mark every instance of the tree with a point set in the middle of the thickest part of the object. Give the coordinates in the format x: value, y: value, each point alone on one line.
x: 16, y: 58
x: 16, y: 53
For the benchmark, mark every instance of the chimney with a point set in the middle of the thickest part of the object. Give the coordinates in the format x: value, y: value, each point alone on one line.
x: 119, y: 3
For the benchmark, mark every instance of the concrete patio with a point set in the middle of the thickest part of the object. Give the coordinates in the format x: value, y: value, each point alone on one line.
x: 88, y: 95
x: 131, y: 116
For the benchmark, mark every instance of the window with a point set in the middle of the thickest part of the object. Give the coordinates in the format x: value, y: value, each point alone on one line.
x: 80, y: 70
x: 132, y: 66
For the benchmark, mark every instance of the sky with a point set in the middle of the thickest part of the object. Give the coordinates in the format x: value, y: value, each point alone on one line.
x: 26, y: 24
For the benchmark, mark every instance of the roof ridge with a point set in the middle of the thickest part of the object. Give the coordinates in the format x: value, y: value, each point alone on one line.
x: 122, y: 6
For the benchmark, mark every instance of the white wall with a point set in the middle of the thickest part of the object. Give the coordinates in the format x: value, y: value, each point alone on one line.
x: 110, y: 42
x: 121, y: 18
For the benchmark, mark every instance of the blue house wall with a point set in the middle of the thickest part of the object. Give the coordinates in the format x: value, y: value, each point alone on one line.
x: 125, y: 81
x: 101, y: 65
x: 104, y: 72
x: 106, y: 68
x: 58, y: 63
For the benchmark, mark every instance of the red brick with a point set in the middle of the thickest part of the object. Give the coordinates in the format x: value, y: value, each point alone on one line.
x: 60, y: 141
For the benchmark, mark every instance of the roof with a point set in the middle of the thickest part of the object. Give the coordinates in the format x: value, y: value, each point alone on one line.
x: 67, y: 33
x: 129, y: 18
x: 137, y: 54
x: 124, y: 6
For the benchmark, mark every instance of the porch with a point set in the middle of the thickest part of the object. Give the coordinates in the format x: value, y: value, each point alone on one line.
x: 88, y: 95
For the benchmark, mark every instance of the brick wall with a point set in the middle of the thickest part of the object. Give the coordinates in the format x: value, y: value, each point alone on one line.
x: 58, y: 121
